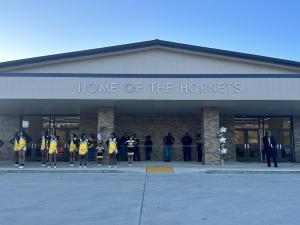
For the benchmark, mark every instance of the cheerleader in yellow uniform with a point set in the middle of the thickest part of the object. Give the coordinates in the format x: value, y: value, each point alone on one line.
x: 21, y: 145
x: 73, y: 144
x: 131, y: 143
x: 112, y: 150
x: 83, y: 149
x: 52, y: 150
x: 15, y: 143
x: 44, y: 140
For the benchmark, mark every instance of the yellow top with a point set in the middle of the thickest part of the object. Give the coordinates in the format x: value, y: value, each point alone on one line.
x: 22, y: 143
x: 53, y: 146
x: 72, y: 146
x: 83, y: 147
x: 112, y: 146
x: 16, y: 146
x: 44, y: 143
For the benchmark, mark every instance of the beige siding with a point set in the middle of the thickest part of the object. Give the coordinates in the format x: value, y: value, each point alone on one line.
x: 156, y: 61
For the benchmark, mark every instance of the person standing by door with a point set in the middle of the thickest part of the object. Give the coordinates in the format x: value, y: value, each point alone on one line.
x: 136, y: 156
x: 52, y: 150
x: 15, y: 143
x: 199, y: 147
x: 168, y: 148
x: 131, y: 143
x: 187, y: 148
x: 270, y: 148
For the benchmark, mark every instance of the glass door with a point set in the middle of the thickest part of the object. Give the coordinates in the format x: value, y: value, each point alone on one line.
x: 247, y: 145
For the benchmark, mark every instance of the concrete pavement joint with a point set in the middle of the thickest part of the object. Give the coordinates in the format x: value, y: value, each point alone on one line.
x: 143, y: 196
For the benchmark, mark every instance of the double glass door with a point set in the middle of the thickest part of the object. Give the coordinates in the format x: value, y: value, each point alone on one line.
x: 249, y: 133
x: 248, y: 145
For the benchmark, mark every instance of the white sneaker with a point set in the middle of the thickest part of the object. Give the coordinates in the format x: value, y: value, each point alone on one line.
x: 99, y: 164
x: 84, y: 166
x: 109, y: 166
x: 49, y: 167
x: 21, y: 167
x: 16, y: 165
x: 115, y: 166
x: 80, y: 166
x: 43, y: 165
x: 72, y: 164
x: 54, y: 167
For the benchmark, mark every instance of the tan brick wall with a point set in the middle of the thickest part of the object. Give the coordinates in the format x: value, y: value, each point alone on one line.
x: 210, y: 126
x: 158, y: 125
x: 9, y: 125
x: 296, y: 123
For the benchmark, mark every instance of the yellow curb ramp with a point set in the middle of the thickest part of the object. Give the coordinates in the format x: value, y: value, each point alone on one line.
x: 159, y: 169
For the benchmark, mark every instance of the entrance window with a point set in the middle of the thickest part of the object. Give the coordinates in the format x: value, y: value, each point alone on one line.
x: 250, y: 131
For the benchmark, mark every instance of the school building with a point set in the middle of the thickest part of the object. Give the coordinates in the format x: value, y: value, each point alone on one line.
x: 152, y: 88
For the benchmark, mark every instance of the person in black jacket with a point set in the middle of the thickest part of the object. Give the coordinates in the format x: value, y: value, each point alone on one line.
x: 187, y: 148
x: 168, y: 148
x: 270, y: 148
x: 20, y: 142
x: 148, y: 147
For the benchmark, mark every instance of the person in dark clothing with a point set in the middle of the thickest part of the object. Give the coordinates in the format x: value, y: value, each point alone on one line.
x: 168, y: 148
x: 92, y: 147
x: 73, y: 144
x: 187, y: 148
x: 1, y: 143
x: 136, y: 156
x: 123, y: 146
x: 270, y: 148
x: 148, y: 147
x: 199, y: 147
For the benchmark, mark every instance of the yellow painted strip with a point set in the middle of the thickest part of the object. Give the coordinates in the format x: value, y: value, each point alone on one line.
x: 159, y: 169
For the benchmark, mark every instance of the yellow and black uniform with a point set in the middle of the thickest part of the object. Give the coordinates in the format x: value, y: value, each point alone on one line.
x: 73, y: 145
x: 83, y: 146
x: 53, y: 145
x: 112, y: 145
x: 44, y: 143
x: 100, y: 150
x: 130, y: 146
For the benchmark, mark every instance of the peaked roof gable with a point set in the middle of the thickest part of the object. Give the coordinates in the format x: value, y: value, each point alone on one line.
x: 146, y: 44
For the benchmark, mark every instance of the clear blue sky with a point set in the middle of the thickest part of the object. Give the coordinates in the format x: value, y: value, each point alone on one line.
x: 31, y: 28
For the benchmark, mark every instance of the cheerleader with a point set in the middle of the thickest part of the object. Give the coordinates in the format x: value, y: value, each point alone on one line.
x: 52, y: 150
x: 22, y: 140
x: 73, y: 144
x: 112, y: 150
x: 131, y: 145
x: 83, y: 149
x: 15, y: 142
x: 44, y: 140
x: 100, y: 150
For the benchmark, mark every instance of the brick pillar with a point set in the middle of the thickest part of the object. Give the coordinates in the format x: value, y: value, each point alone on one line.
x: 88, y: 124
x: 210, y: 126
x: 9, y: 125
x: 228, y: 122
x: 296, y: 123
x: 106, y: 120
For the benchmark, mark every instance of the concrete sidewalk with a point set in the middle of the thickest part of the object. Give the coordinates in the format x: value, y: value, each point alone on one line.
x: 140, y: 167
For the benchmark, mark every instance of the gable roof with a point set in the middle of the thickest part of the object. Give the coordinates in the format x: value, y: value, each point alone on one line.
x: 151, y: 43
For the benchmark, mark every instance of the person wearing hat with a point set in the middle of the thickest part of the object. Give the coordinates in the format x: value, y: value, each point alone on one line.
x: 270, y: 148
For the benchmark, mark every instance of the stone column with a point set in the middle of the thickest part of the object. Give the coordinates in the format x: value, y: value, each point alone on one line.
x: 35, y: 131
x: 296, y: 123
x: 88, y: 124
x: 9, y: 125
x: 228, y: 122
x: 210, y: 126
x: 106, y: 122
